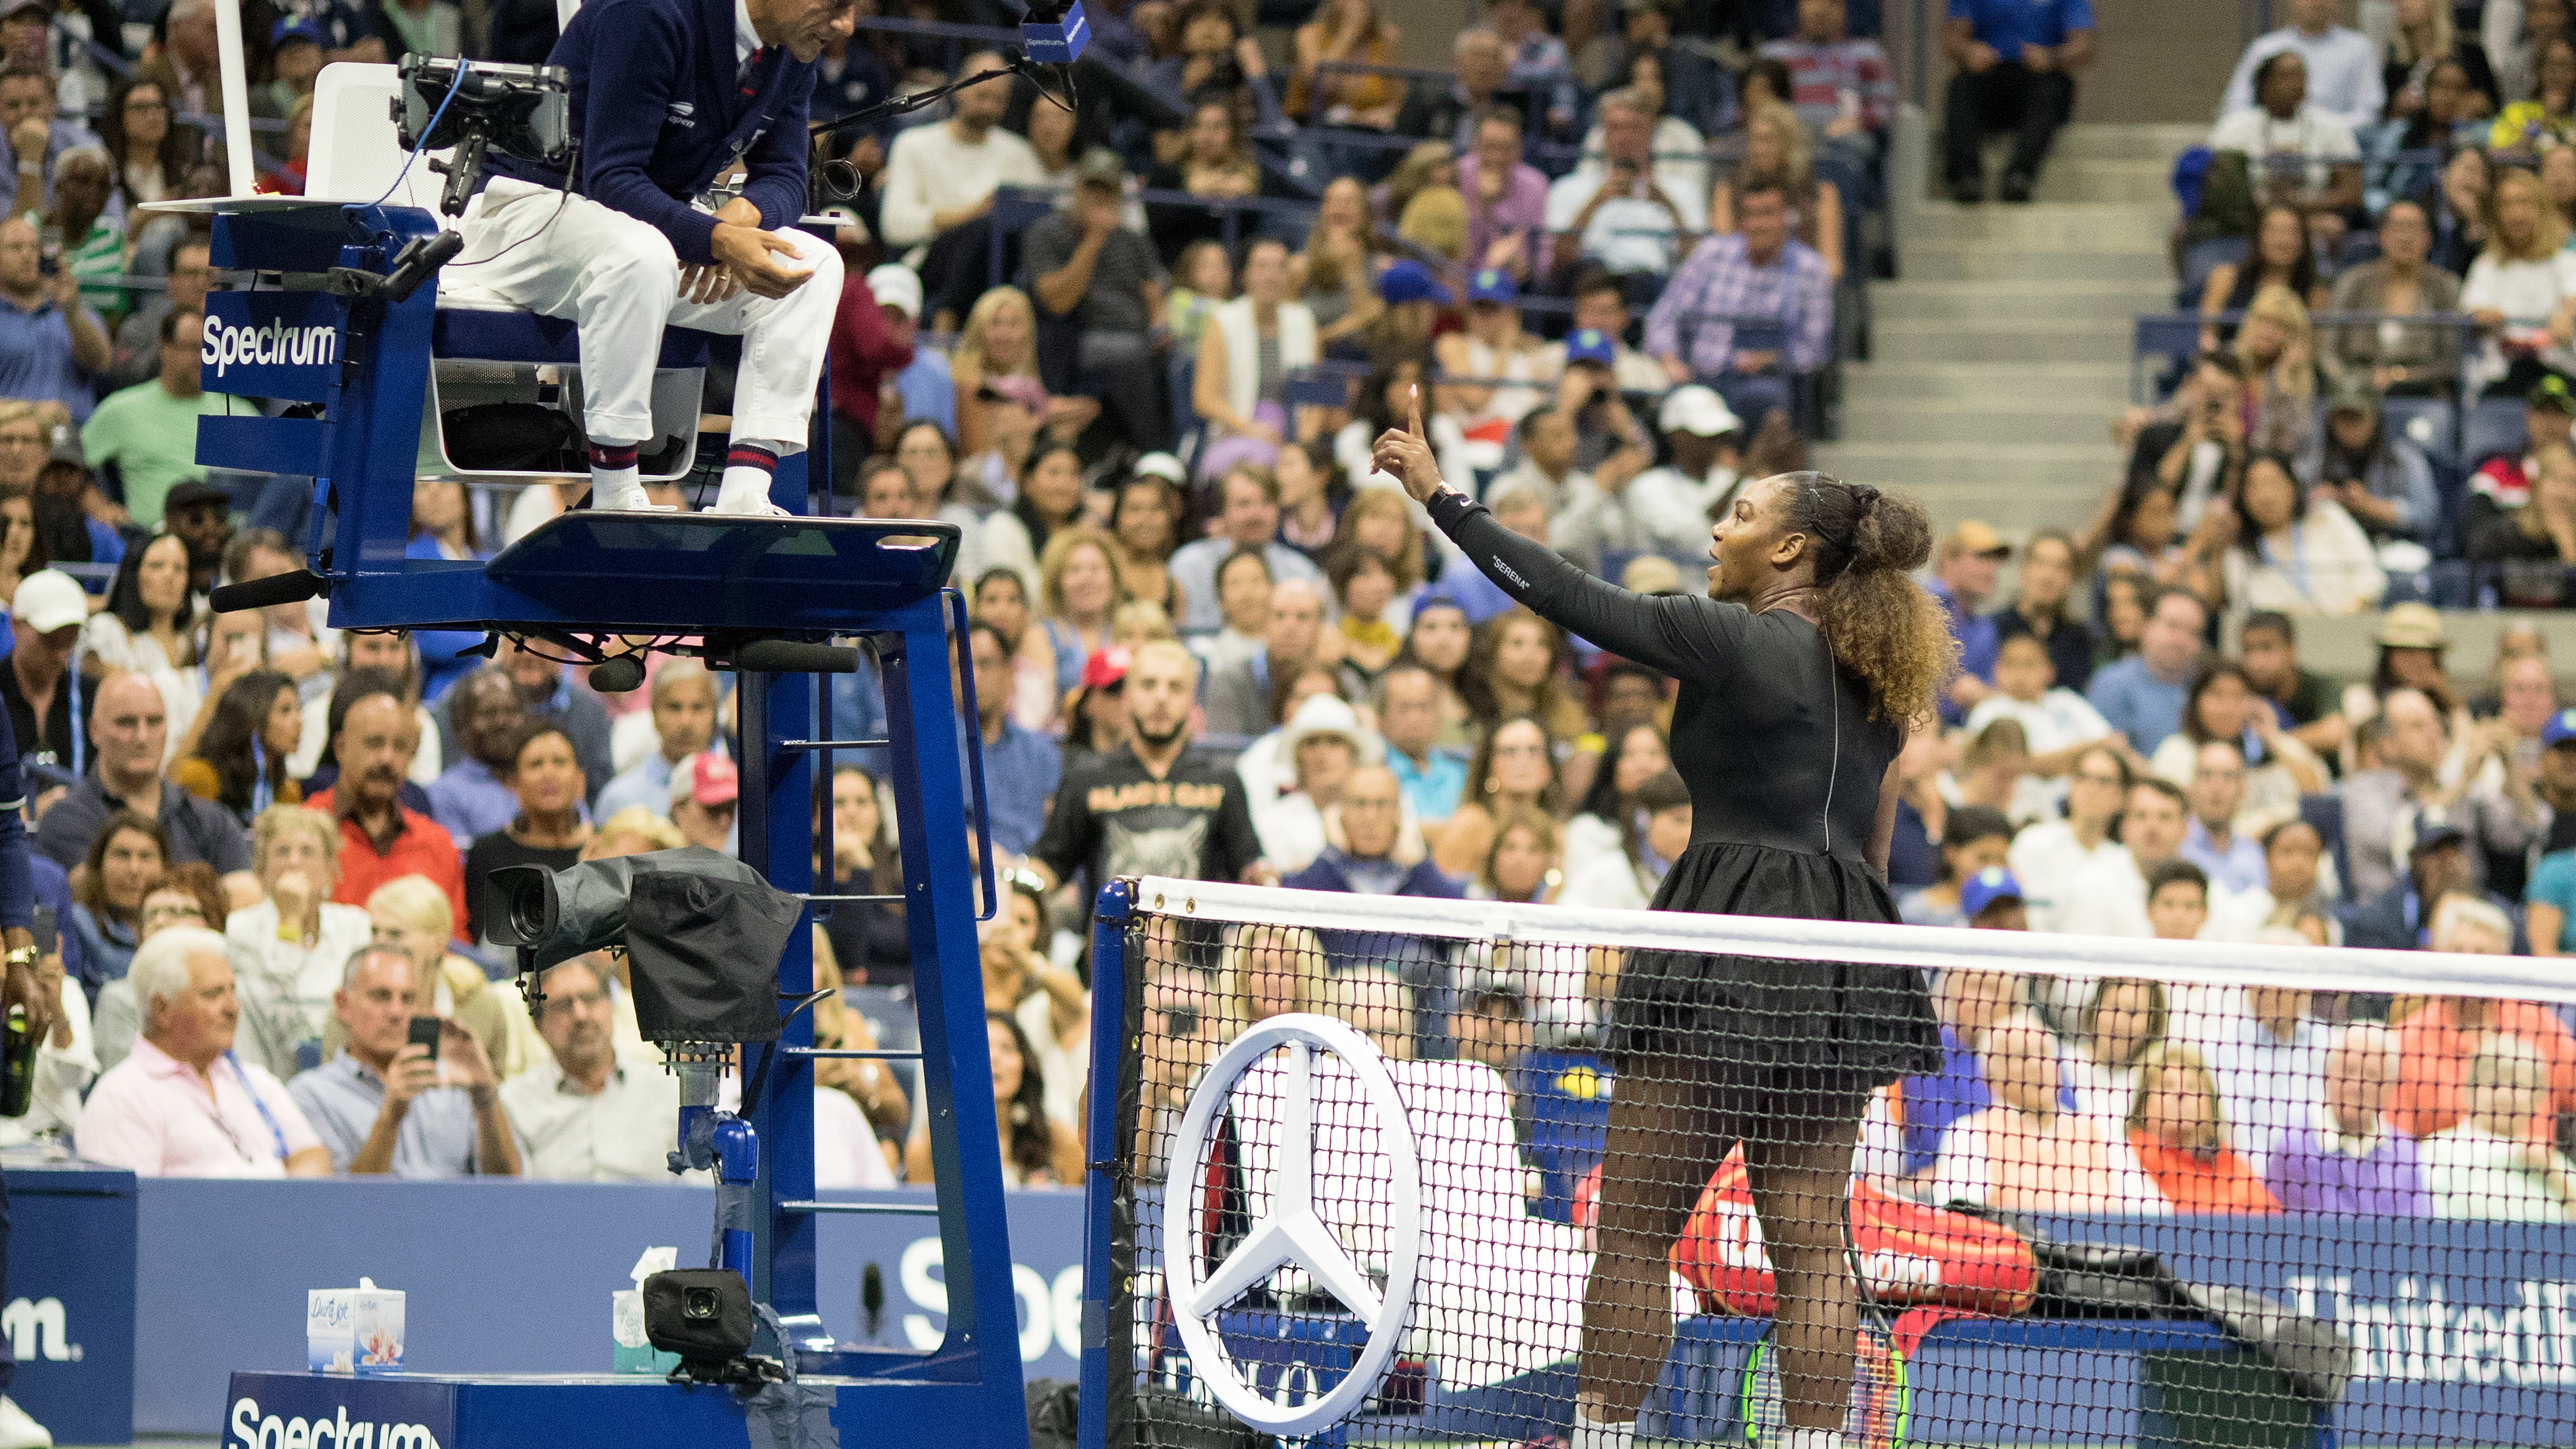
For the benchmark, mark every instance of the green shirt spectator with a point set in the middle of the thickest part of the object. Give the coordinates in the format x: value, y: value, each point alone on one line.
x: 98, y: 260
x: 91, y: 243
x: 149, y: 430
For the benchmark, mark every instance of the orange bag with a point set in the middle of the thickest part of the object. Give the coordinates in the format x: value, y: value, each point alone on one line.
x: 1910, y: 1254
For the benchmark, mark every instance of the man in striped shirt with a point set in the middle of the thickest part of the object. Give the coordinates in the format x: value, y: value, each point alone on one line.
x: 1841, y: 87
x: 1758, y: 271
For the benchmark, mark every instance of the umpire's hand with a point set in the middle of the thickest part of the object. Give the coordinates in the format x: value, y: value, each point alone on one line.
x: 751, y: 256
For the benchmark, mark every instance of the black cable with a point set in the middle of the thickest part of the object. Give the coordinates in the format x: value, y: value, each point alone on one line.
x: 572, y: 165
x: 527, y: 644
x: 564, y: 199
x: 906, y: 105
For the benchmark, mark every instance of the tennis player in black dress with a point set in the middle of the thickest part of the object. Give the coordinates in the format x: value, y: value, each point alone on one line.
x: 1799, y: 673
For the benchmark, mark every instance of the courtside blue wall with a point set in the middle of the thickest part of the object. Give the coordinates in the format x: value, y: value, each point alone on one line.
x: 515, y: 1277
x: 504, y: 1276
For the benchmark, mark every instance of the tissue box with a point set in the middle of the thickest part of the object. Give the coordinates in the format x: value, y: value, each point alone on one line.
x: 635, y: 1352
x: 353, y: 1330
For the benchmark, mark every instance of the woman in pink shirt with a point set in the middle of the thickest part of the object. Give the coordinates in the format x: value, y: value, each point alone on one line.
x: 2025, y: 1153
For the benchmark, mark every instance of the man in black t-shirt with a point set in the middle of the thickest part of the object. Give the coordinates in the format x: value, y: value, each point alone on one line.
x: 36, y: 680
x: 1155, y: 807
x: 2309, y: 703
x: 1087, y: 269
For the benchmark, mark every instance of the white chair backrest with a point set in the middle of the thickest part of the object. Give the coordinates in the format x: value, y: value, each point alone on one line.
x: 356, y: 147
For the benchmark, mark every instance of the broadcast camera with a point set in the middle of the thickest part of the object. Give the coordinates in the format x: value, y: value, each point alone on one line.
x: 478, y: 106
x: 702, y: 934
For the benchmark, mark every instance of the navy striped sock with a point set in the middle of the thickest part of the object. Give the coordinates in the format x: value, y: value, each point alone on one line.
x: 614, y: 480
x: 751, y: 465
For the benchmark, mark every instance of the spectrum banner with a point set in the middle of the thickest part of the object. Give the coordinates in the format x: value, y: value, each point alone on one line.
x: 271, y: 344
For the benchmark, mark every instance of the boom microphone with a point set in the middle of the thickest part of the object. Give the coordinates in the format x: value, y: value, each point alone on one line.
x: 291, y: 587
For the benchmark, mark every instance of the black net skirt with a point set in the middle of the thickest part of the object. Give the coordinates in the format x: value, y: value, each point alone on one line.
x: 1845, y: 1019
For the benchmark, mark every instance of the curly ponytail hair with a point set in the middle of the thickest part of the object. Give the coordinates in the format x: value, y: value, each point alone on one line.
x: 1882, y: 625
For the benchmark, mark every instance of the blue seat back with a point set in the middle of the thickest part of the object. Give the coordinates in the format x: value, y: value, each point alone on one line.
x: 2174, y: 336
x: 531, y: 337
x: 2430, y: 423
x: 2324, y: 813
x: 2496, y: 427
x: 2205, y: 258
x: 1569, y: 1099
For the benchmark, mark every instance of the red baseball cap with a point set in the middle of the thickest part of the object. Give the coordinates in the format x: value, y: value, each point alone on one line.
x: 706, y: 777
x: 1105, y: 667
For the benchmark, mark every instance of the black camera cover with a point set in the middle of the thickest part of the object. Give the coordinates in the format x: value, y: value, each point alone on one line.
x: 702, y: 1314
x: 705, y: 952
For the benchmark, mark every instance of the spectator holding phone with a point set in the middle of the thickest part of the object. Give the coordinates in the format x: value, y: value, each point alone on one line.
x: 1624, y: 213
x: 411, y: 1094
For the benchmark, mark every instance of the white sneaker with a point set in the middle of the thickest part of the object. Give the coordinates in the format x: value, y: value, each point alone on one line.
x: 18, y: 1431
x: 746, y: 500
x: 635, y: 502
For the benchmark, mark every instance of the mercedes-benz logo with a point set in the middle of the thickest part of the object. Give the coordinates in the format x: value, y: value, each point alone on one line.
x: 1292, y: 1232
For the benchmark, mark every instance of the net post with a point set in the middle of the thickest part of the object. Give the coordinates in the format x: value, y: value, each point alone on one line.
x: 1107, y: 1109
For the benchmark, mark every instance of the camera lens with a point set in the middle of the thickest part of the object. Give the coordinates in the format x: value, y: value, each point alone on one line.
x: 698, y: 1304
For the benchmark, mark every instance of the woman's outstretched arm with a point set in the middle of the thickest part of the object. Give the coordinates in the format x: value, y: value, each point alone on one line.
x: 1680, y: 635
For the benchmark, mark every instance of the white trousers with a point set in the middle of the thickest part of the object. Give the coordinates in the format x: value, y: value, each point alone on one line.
x: 619, y: 280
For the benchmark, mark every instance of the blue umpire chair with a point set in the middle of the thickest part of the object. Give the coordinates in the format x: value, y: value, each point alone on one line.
x: 353, y: 333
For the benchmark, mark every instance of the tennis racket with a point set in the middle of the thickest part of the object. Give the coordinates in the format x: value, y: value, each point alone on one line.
x: 1882, y: 1398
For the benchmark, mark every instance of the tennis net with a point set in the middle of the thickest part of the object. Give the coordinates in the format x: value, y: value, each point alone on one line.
x: 1388, y: 1171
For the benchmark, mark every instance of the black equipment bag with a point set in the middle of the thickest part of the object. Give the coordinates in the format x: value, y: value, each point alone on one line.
x: 513, y: 437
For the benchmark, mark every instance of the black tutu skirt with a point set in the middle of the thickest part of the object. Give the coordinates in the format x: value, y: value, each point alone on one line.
x: 1846, y: 1020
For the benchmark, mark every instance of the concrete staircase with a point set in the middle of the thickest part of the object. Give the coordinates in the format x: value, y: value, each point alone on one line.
x: 2001, y: 357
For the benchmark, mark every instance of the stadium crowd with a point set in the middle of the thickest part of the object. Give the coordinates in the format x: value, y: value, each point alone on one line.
x: 1207, y: 643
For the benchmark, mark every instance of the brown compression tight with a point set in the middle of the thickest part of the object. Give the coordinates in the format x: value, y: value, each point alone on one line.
x: 1670, y: 1128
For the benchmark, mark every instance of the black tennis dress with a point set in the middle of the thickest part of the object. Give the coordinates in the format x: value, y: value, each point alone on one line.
x: 1784, y: 762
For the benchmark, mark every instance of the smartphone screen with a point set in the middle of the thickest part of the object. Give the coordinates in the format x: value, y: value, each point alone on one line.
x: 424, y: 1032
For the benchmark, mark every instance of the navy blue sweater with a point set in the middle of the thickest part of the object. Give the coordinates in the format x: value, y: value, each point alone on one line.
x: 659, y: 114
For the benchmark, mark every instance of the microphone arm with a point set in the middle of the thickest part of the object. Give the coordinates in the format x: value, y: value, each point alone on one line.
x: 1052, y: 32
x: 906, y: 105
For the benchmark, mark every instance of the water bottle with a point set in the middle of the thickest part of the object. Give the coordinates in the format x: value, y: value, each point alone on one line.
x: 17, y: 1065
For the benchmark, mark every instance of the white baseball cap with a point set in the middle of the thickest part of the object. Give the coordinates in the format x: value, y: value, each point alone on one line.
x: 1322, y: 714
x: 1692, y: 408
x: 1163, y: 466
x: 50, y: 599
x: 898, y: 286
